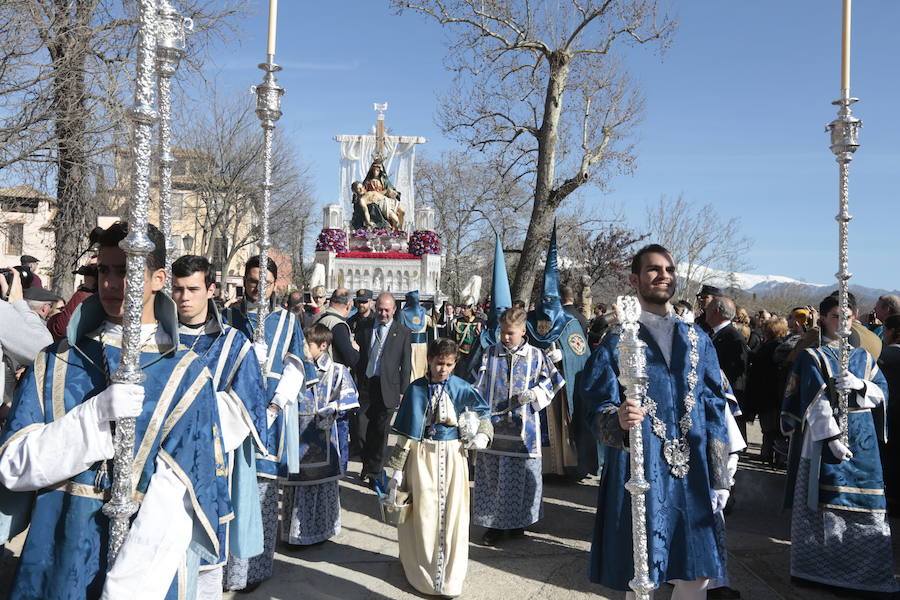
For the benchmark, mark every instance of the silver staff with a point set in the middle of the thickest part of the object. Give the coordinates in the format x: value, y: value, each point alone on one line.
x: 137, y: 246
x: 170, y: 41
x: 844, y: 142
x: 268, y: 109
x: 633, y: 377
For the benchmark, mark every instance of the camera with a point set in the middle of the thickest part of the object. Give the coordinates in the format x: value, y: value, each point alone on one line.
x: 24, y: 272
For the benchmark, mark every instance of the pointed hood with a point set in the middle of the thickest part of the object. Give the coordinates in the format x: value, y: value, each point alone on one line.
x: 548, y: 318
x: 501, y: 298
x: 412, y: 313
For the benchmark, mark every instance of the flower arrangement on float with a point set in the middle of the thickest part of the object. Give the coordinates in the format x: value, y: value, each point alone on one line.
x: 332, y: 240
x: 424, y: 242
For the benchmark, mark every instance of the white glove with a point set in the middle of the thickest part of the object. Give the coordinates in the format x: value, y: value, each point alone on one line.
x: 281, y: 400
x: 719, y: 499
x: 554, y: 355
x: 261, y: 350
x: 732, y: 466
x: 847, y: 381
x: 478, y: 442
x: 840, y: 451
x: 272, y: 414
x: 119, y: 401
x: 526, y: 397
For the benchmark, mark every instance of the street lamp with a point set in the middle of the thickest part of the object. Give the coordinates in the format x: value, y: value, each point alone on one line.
x: 188, y: 242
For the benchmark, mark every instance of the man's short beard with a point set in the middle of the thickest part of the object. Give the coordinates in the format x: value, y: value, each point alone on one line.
x: 655, y: 299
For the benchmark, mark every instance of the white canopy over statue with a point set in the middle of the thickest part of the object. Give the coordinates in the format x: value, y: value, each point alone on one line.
x: 397, y: 154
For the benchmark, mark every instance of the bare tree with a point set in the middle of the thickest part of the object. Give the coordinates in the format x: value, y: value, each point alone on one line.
x: 473, y: 201
x: 537, y: 84
x: 226, y: 175
x: 699, y: 238
x: 65, y: 68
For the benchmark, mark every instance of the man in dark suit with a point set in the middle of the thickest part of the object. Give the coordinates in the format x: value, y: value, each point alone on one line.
x: 386, y: 354
x: 567, y: 297
x: 707, y: 294
x: 732, y: 351
x: 363, y: 318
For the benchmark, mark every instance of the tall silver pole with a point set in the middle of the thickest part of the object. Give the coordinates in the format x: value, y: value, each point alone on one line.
x: 633, y: 377
x: 170, y: 41
x: 268, y: 110
x: 844, y: 142
x: 137, y: 245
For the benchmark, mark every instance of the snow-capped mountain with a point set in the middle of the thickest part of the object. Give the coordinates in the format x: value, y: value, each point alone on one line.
x: 769, y: 285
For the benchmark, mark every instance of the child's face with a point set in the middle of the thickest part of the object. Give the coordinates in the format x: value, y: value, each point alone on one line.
x: 511, y: 335
x: 317, y: 350
x: 441, y: 367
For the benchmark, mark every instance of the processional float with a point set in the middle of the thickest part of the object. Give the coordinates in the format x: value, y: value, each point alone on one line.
x: 844, y: 142
x: 633, y: 377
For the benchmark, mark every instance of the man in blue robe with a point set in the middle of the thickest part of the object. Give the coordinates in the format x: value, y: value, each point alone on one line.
x: 241, y: 408
x: 566, y: 438
x: 280, y: 357
x: 685, y: 458
x: 56, y: 448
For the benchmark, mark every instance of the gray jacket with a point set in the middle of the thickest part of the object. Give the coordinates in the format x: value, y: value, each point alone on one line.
x: 22, y: 335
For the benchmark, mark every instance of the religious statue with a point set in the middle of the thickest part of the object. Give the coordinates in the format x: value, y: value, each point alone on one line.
x: 375, y: 210
x: 377, y: 181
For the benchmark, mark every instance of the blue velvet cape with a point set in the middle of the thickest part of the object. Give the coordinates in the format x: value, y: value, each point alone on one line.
x: 65, y: 554
x: 680, y: 525
x: 410, y: 420
x: 284, y: 337
x: 854, y: 485
x: 232, y: 363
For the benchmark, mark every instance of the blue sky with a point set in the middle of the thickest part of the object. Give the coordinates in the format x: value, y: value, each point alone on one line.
x: 735, y: 113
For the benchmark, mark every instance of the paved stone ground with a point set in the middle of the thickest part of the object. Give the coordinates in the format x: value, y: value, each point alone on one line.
x: 550, y: 562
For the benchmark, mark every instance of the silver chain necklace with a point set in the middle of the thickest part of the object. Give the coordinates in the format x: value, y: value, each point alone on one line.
x: 676, y: 451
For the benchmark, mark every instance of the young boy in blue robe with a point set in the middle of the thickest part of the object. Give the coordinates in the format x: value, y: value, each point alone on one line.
x: 840, y: 535
x: 280, y: 357
x: 518, y: 381
x: 440, y: 418
x: 241, y: 407
x: 58, y: 443
x: 311, y: 503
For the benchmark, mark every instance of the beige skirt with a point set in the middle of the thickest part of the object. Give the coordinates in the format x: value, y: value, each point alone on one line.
x: 434, y: 538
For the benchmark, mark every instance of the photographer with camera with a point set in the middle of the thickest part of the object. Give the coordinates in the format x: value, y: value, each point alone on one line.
x: 22, y: 334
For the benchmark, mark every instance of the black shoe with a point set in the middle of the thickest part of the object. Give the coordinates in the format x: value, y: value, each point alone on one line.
x: 723, y: 593
x: 250, y: 588
x: 491, y: 537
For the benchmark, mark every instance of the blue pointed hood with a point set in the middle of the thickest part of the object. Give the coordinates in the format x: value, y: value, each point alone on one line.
x: 548, y: 318
x: 501, y: 298
x: 413, y: 314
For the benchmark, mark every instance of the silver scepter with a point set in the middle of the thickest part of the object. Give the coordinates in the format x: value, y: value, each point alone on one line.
x: 137, y: 245
x: 268, y: 110
x: 844, y: 142
x: 633, y: 377
x: 170, y: 41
